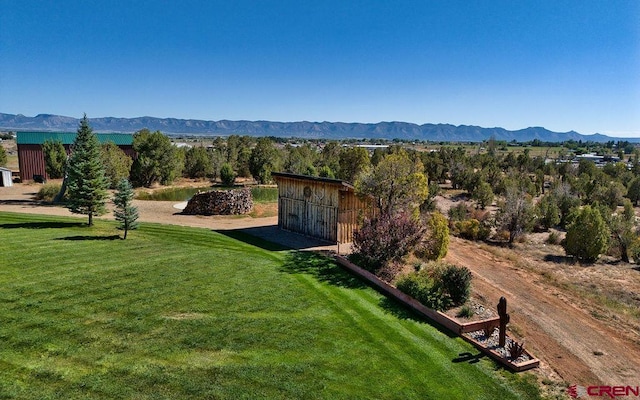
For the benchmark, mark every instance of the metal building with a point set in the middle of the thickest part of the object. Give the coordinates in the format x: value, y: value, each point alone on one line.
x: 322, y: 208
x: 31, y: 157
x: 5, y: 177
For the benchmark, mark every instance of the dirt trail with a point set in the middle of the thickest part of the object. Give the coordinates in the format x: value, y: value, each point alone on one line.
x: 579, y: 348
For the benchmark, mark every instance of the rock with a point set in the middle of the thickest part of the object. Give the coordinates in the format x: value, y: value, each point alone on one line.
x: 220, y: 202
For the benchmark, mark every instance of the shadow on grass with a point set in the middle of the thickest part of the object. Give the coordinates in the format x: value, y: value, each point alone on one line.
x: 401, y: 311
x: 42, y: 225
x: 322, y: 268
x: 86, y: 237
x: 467, y: 357
x: 246, y: 237
x: 272, y: 238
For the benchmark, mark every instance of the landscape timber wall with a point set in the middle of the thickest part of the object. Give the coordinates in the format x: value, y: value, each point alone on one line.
x: 439, y: 317
x: 322, y: 208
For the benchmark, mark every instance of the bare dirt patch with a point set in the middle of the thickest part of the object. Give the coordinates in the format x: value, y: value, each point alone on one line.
x: 556, y: 322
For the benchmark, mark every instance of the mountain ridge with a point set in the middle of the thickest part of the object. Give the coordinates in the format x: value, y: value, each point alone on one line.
x: 301, y: 129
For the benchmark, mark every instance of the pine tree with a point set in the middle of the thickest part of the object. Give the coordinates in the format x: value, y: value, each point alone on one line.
x: 86, y: 182
x: 125, y: 212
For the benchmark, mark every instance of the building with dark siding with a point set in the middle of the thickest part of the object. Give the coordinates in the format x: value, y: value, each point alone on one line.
x: 31, y: 156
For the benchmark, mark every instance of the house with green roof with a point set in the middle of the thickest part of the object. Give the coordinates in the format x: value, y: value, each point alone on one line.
x: 31, y: 156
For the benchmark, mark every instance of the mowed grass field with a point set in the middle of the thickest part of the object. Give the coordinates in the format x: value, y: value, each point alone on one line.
x: 176, y: 312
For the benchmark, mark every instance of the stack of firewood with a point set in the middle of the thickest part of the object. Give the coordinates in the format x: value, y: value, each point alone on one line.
x: 220, y: 202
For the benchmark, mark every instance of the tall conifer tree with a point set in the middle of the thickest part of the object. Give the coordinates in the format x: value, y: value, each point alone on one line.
x: 87, y: 185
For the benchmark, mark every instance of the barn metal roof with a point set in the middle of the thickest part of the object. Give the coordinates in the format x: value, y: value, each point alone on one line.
x: 312, y: 178
x: 120, y: 139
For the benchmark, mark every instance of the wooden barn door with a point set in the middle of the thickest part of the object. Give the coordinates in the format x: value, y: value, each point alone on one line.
x: 291, y: 214
x: 321, y: 221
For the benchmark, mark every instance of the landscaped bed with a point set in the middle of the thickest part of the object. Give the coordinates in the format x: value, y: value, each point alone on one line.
x: 482, y: 333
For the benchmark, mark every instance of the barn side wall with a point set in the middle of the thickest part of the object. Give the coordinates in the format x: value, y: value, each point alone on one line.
x: 351, y: 212
x: 31, y: 159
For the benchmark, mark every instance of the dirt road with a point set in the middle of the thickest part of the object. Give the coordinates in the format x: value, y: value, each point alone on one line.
x: 577, y: 347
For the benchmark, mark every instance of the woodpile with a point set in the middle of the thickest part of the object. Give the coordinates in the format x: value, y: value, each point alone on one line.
x: 220, y: 202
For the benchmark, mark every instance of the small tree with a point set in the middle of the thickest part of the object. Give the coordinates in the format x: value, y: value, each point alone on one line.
x: 385, y: 239
x: 633, y: 192
x: 435, y: 244
x: 483, y: 194
x: 117, y: 164
x: 125, y: 212
x: 158, y: 160
x: 547, y: 212
x: 263, y: 160
x: 197, y: 163
x: 587, y: 235
x: 3, y: 157
x: 397, y: 183
x: 86, y: 183
x: 227, y: 175
x: 623, y: 226
x: 516, y: 213
x: 55, y: 158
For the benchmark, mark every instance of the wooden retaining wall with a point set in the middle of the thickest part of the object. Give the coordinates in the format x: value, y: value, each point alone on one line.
x: 439, y: 317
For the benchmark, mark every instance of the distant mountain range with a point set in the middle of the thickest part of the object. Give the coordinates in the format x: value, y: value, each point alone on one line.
x: 304, y: 129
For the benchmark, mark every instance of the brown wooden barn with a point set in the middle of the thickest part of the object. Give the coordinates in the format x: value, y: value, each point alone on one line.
x: 322, y: 208
x: 31, y: 157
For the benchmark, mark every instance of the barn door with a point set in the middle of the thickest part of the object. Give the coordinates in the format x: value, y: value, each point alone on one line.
x: 321, y: 221
x: 291, y: 214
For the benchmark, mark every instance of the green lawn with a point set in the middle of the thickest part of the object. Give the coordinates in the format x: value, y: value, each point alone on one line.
x: 175, y: 312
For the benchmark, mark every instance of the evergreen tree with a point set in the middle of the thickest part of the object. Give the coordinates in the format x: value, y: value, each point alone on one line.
x: 125, y: 212
x: 587, y: 235
x: 264, y: 160
x: 86, y: 182
x: 117, y: 164
x: 227, y: 174
x: 3, y: 157
x: 55, y: 158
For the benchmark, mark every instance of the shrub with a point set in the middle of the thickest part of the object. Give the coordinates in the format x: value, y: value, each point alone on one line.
x: 456, y: 283
x: 48, y: 192
x: 634, y: 251
x: 423, y: 287
x: 436, y: 243
x: 227, y: 174
x: 587, y: 235
x: 465, y: 312
x: 554, y: 238
x: 468, y: 229
x: 459, y: 212
x: 385, y: 239
x: 439, y: 287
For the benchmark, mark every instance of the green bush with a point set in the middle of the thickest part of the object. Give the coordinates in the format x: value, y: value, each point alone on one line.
x: 227, y: 174
x: 587, y: 235
x: 440, y: 286
x: 423, y: 287
x: 456, y: 283
x: 48, y: 192
x: 436, y: 242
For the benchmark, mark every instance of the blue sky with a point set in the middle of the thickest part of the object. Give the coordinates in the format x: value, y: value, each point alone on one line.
x: 564, y: 65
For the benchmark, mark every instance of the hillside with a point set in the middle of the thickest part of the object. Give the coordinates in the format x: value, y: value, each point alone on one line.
x: 303, y: 129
